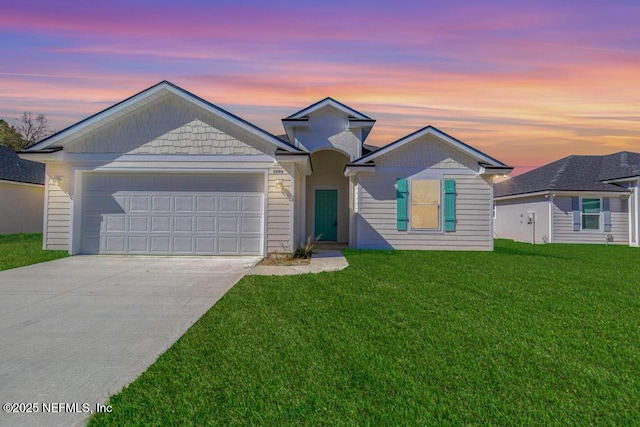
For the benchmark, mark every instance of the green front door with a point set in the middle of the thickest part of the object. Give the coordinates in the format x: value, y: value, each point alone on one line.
x: 326, y: 215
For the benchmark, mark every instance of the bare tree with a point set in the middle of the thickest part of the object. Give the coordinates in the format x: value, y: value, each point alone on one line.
x: 10, y: 137
x: 33, y: 129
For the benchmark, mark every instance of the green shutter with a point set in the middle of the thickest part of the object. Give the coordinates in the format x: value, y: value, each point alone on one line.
x: 401, y: 197
x: 449, y: 205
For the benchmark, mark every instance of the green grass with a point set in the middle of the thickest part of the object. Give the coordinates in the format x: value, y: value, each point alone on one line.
x: 17, y: 250
x: 526, y: 335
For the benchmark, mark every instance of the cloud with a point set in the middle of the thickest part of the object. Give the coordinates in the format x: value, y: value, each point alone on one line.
x: 529, y: 82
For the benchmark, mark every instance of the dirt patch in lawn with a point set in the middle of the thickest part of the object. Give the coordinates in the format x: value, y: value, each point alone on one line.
x: 284, y: 260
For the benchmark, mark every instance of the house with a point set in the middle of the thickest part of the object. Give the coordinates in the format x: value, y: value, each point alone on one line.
x: 577, y: 199
x: 21, y: 194
x: 166, y: 172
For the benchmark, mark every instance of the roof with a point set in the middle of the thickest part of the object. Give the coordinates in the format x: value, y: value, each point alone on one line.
x: 353, y: 114
x: 13, y: 168
x: 574, y: 173
x: 355, y: 118
x: 119, y: 109
x: 430, y: 130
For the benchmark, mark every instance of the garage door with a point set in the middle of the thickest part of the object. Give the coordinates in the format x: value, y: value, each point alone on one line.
x: 172, y: 214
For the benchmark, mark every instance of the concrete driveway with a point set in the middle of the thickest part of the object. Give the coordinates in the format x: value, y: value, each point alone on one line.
x: 79, y: 329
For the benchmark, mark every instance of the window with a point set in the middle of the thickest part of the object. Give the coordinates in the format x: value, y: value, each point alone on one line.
x: 591, y: 214
x: 425, y: 204
x: 424, y: 207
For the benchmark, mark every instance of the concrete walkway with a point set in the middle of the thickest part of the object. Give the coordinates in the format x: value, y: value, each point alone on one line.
x: 77, y: 330
x: 322, y: 260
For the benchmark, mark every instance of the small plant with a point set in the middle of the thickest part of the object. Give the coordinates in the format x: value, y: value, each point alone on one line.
x: 305, y: 251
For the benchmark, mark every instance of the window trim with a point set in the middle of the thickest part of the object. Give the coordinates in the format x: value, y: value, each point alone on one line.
x: 599, y: 214
x: 411, y: 228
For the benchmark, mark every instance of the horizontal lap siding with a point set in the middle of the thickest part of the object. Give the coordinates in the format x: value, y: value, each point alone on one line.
x: 279, y: 220
x: 563, y: 223
x: 377, y: 217
x: 57, y: 209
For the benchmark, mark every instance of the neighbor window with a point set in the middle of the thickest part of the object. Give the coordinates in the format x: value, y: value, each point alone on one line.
x: 591, y: 214
x: 425, y: 204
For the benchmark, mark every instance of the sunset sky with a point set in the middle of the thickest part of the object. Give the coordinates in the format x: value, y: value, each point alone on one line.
x: 527, y: 82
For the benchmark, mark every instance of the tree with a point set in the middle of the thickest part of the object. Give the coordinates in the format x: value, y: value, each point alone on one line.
x: 33, y: 129
x: 10, y: 137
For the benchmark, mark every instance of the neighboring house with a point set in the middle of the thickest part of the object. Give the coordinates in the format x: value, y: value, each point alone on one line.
x: 21, y: 194
x: 578, y: 199
x: 166, y: 172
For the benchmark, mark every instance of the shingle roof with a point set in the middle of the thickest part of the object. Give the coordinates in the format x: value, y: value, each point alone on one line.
x: 13, y: 168
x: 574, y: 173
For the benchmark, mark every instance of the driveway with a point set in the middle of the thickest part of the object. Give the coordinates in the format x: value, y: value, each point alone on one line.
x: 79, y: 329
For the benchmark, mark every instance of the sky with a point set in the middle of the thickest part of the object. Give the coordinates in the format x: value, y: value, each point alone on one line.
x: 527, y: 82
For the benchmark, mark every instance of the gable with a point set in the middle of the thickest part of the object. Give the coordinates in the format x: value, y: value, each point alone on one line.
x: 485, y: 164
x: 428, y: 151
x: 171, y: 125
x: 327, y: 129
x: 207, y: 113
x: 329, y: 102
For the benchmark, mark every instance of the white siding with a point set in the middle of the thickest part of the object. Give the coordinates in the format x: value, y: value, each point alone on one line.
x: 563, y: 223
x: 21, y: 208
x: 377, y: 226
x: 428, y: 152
x: 172, y: 126
x: 58, y: 208
x: 424, y: 158
x: 511, y: 219
x: 327, y: 128
x: 298, y: 213
x: 279, y: 210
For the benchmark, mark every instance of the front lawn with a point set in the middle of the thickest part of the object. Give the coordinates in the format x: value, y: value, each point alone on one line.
x: 17, y: 250
x: 526, y: 335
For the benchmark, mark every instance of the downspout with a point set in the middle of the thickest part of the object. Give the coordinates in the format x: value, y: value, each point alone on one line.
x: 636, y: 199
x: 551, y: 218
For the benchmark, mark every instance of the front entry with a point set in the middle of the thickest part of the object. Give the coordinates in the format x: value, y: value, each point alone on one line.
x: 326, y: 215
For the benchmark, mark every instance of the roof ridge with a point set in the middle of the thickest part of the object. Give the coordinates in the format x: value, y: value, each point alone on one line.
x: 558, y: 175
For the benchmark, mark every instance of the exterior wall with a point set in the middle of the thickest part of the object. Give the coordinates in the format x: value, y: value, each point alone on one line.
x: 22, y: 208
x: 299, y: 211
x: 280, y: 208
x: 172, y: 126
x: 328, y: 167
x: 511, y: 219
x: 563, y: 223
x: 327, y: 128
x: 425, y: 158
x: 428, y: 152
x: 58, y: 207
x: 169, y: 126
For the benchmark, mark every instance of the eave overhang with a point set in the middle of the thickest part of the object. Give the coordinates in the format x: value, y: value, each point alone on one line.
x: 301, y: 160
x: 632, y: 178
x: 582, y: 193
x: 494, y: 170
x: 352, y: 170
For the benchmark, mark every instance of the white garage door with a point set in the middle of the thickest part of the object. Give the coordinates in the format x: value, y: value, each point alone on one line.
x: 172, y: 214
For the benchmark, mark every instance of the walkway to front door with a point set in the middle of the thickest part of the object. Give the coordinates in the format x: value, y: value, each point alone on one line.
x: 326, y: 215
